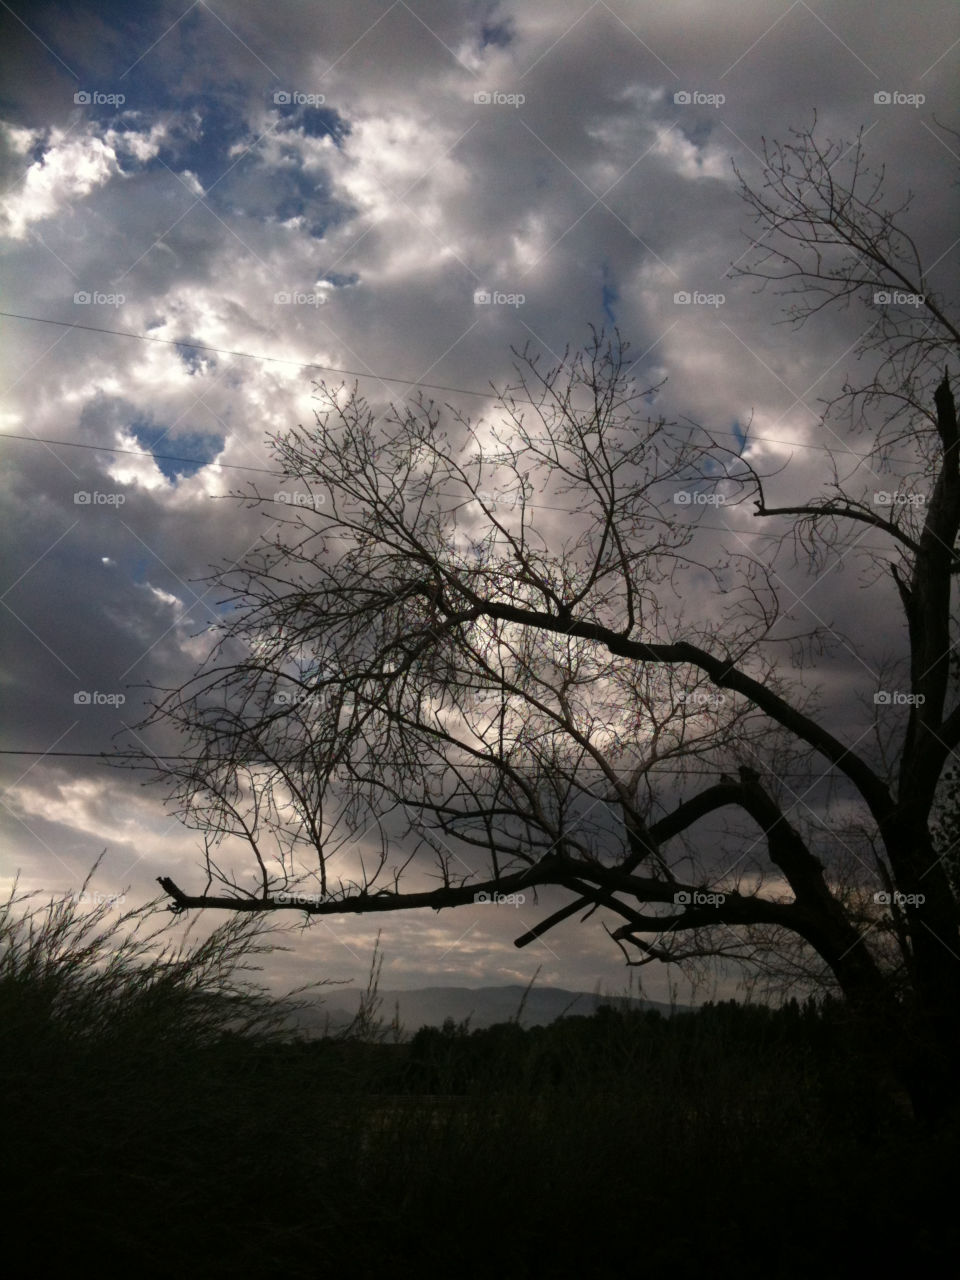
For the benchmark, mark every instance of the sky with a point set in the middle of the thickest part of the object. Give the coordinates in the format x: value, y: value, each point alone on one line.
x: 208, y: 206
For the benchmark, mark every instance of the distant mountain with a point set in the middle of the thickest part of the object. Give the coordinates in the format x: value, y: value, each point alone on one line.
x: 484, y: 1006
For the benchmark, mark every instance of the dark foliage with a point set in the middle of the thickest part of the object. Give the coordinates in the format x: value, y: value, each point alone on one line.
x: 735, y: 1141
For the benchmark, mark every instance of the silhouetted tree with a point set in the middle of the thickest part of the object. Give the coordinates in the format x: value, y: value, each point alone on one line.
x: 478, y: 645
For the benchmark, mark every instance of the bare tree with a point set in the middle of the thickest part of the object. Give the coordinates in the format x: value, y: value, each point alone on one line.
x: 477, y: 644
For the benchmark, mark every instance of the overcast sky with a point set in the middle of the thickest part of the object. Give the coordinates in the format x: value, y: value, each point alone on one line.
x: 330, y: 185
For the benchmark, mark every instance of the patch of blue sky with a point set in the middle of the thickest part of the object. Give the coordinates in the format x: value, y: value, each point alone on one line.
x: 196, y: 448
x: 498, y: 34
x: 201, y: 135
x: 197, y: 361
x: 318, y: 122
x: 341, y: 281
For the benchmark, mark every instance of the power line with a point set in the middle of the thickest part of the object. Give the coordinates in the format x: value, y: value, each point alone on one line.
x: 279, y: 475
x: 96, y: 755
x: 136, y: 755
x: 250, y: 355
x: 377, y: 377
x: 141, y: 453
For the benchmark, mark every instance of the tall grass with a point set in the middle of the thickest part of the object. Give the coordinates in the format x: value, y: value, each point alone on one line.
x: 71, y: 973
x: 133, y: 1077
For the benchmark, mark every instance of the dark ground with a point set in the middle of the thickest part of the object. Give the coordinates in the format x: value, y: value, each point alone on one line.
x: 735, y: 1141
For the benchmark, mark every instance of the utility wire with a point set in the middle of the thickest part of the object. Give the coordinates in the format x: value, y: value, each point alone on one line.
x: 142, y: 453
x: 250, y: 355
x: 377, y: 377
x: 135, y: 755
x: 247, y: 355
x: 279, y: 475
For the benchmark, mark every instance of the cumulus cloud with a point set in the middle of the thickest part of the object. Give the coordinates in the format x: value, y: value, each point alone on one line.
x: 68, y: 170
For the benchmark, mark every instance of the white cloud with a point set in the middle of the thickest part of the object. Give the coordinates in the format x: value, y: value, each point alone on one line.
x: 70, y: 169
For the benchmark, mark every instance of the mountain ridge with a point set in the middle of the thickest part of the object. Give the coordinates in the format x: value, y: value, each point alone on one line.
x: 479, y: 1006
